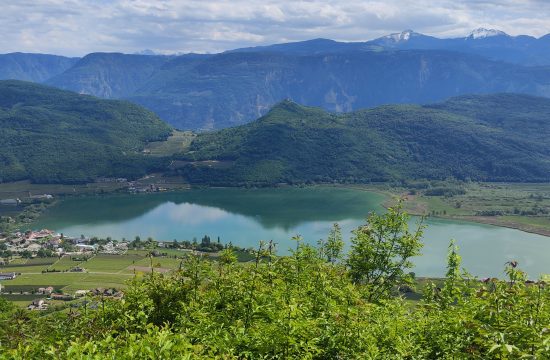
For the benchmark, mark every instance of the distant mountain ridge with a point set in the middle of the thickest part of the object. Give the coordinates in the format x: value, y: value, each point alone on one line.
x: 212, y: 91
x: 490, y: 43
x: 33, y: 67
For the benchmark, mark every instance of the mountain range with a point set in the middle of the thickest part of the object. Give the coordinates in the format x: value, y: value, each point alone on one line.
x: 490, y: 43
x: 212, y: 91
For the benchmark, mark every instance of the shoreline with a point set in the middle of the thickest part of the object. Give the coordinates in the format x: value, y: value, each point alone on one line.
x: 414, y: 208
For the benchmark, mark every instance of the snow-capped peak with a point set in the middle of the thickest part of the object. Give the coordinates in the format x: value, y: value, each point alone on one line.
x: 402, y: 36
x: 483, y: 33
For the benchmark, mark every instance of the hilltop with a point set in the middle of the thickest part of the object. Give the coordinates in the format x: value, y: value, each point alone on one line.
x: 498, y: 137
x: 51, y: 135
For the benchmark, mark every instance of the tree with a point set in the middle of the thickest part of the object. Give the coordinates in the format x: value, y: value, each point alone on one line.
x: 44, y: 253
x: 332, y: 248
x: 381, y: 252
x: 26, y: 254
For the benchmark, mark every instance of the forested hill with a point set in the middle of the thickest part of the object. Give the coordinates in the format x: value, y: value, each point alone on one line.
x: 51, y: 135
x: 499, y: 137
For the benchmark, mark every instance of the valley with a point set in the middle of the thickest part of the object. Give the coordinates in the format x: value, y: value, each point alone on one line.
x: 386, y: 197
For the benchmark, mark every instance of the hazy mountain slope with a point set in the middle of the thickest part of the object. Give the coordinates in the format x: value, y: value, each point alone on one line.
x: 108, y: 75
x: 461, y: 138
x: 50, y: 135
x: 234, y: 88
x: 33, y: 67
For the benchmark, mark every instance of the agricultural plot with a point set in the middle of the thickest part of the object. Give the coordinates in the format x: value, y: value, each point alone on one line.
x: 35, y: 265
x: 158, y: 262
x: 101, y: 271
x: 68, y: 282
x: 63, y: 264
x: 110, y: 263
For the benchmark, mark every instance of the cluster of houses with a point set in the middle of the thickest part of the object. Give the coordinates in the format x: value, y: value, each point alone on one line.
x: 145, y: 189
x: 133, y: 186
x: 83, y: 245
x: 34, y: 241
x: 41, y: 304
x: 49, y: 294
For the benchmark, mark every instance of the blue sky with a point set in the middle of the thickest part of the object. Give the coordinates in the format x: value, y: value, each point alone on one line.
x: 78, y: 27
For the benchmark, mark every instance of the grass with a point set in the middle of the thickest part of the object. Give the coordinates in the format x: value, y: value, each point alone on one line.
x: 110, y: 263
x: 35, y: 265
x: 178, y: 142
x: 69, y: 282
x: 514, y: 201
x: 167, y: 263
x: 64, y: 263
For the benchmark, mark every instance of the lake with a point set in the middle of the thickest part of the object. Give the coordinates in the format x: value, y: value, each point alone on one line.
x: 244, y: 217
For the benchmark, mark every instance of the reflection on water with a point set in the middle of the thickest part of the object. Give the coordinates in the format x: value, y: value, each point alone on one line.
x: 243, y: 217
x: 189, y: 214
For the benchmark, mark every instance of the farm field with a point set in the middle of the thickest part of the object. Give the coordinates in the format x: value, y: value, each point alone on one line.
x: 100, y: 271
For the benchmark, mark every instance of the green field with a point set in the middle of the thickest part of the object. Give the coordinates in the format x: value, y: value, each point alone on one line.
x: 110, y: 263
x: 521, y: 206
x: 102, y: 270
x: 178, y: 142
x: 35, y: 265
x: 64, y: 263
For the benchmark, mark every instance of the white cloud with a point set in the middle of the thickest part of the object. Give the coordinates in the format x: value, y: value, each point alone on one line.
x: 77, y: 27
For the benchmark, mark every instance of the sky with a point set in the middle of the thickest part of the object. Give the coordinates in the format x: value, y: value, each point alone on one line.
x: 78, y: 27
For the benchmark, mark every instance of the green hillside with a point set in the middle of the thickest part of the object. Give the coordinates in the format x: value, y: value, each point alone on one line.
x: 50, y: 135
x: 486, y: 137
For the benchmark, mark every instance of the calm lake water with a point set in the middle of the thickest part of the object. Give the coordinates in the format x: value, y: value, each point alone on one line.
x: 244, y: 217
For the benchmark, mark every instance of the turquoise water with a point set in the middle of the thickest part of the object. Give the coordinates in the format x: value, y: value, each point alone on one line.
x: 244, y: 217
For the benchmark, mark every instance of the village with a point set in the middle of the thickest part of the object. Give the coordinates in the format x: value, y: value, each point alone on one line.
x: 47, y: 243
x: 19, y: 248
